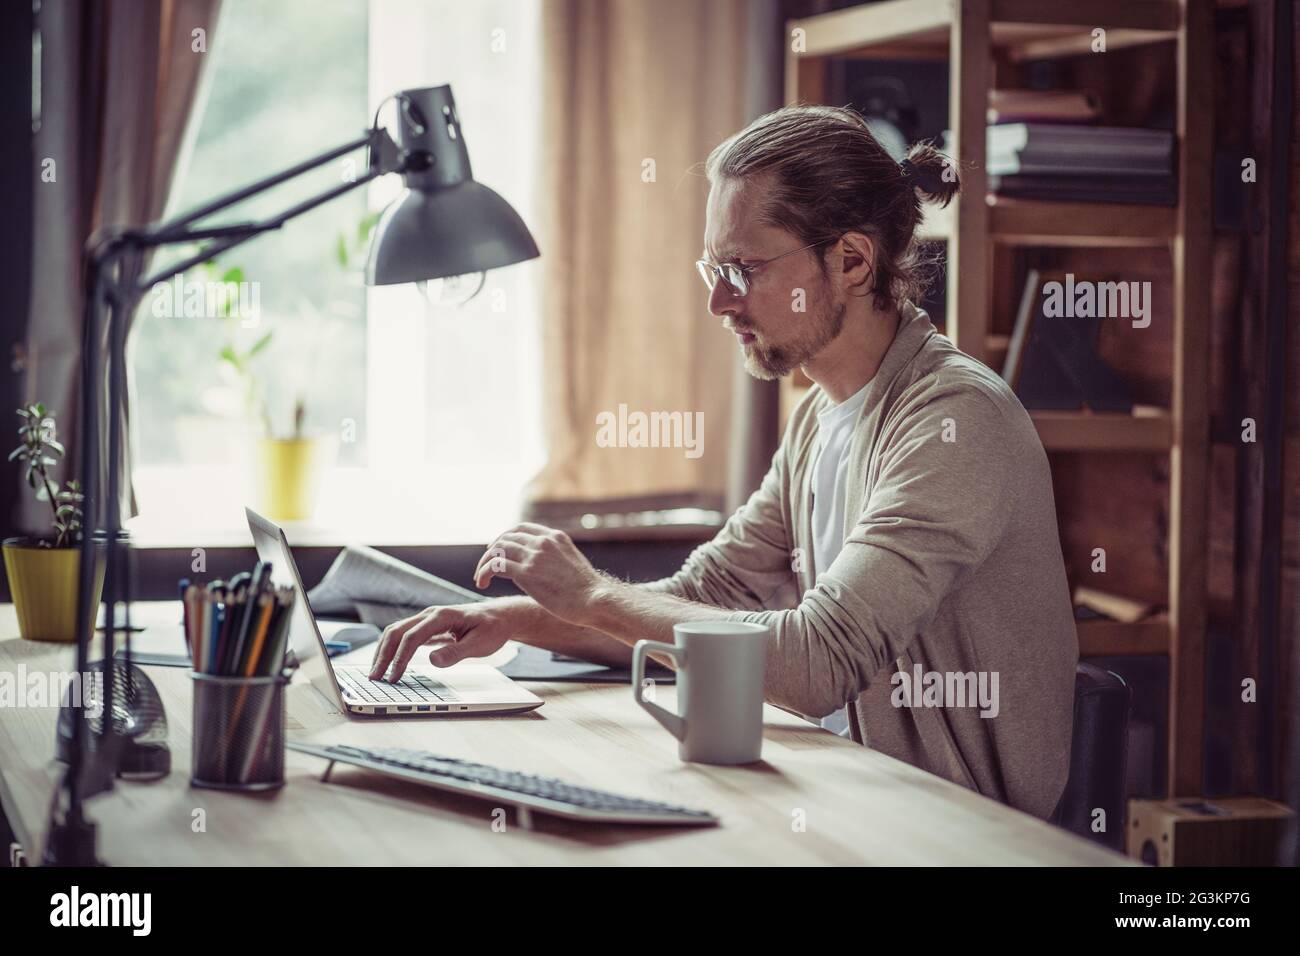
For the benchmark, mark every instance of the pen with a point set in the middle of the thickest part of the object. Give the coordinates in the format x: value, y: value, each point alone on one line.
x: 232, y: 608
x: 183, y: 586
x: 214, y: 629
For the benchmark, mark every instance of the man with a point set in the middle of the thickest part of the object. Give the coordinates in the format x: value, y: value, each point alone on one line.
x: 903, y: 546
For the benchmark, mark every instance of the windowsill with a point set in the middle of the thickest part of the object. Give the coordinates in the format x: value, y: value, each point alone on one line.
x: 186, y: 507
x: 436, y: 508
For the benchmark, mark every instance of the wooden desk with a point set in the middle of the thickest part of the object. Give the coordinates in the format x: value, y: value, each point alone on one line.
x: 857, y: 806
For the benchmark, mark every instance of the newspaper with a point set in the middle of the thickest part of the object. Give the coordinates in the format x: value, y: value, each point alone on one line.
x: 380, y: 589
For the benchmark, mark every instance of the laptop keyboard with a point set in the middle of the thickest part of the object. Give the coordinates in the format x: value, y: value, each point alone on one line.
x: 411, y: 689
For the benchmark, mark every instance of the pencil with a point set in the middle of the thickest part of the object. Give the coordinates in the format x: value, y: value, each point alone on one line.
x: 193, y: 615
x: 260, y: 629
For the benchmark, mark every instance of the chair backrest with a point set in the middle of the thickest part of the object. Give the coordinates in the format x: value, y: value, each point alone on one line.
x: 1098, y: 756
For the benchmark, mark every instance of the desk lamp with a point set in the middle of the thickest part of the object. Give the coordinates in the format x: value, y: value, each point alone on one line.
x: 444, y: 224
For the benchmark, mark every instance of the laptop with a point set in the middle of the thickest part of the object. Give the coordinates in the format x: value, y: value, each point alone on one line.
x: 423, y: 691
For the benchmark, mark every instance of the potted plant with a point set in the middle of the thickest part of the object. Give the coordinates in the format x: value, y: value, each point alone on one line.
x: 290, y: 468
x: 44, y: 571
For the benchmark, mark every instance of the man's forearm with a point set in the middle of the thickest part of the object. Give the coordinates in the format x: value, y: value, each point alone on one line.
x: 629, y: 613
x: 620, y: 615
x: 540, y: 628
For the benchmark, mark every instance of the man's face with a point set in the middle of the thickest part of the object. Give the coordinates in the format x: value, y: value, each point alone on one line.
x: 774, y: 336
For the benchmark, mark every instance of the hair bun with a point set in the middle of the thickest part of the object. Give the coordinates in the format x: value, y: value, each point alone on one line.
x: 931, y: 173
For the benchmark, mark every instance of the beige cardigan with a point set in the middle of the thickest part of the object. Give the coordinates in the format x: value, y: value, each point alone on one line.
x: 951, y: 561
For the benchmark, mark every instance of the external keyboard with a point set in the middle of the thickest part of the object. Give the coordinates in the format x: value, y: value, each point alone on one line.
x: 526, y: 791
x: 412, y: 688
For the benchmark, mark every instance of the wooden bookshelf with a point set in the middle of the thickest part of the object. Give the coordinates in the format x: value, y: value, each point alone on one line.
x: 970, y: 34
x: 1031, y: 222
x: 1017, y: 29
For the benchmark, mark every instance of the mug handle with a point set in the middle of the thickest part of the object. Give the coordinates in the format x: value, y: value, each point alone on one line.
x: 671, y: 722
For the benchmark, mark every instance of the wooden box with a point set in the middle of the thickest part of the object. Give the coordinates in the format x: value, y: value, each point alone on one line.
x: 1193, y: 831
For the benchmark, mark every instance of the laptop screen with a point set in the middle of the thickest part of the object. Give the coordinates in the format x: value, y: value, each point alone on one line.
x: 304, y: 637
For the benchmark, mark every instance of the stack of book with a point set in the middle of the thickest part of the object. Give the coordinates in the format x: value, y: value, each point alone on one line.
x: 1042, y: 106
x: 1043, y: 145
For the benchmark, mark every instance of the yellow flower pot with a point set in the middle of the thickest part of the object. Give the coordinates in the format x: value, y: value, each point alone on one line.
x: 288, y: 476
x: 43, y: 587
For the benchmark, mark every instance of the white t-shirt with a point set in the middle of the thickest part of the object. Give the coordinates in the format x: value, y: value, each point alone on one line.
x: 835, y: 433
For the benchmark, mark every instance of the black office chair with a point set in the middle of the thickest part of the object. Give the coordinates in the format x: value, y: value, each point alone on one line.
x: 1098, y: 756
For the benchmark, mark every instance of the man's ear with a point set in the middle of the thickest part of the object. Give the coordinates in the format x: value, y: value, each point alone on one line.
x: 857, y: 260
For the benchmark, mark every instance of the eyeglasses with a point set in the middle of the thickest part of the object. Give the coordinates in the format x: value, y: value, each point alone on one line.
x: 735, y: 275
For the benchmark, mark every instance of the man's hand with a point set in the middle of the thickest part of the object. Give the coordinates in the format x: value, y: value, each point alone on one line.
x: 547, y: 566
x: 459, y: 630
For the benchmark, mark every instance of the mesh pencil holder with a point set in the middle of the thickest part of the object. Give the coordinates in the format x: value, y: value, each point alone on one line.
x: 238, y: 732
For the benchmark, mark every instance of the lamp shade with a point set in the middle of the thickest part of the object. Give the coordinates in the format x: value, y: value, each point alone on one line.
x: 444, y: 223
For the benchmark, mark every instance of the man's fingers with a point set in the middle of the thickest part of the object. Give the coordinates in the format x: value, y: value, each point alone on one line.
x: 496, y: 559
x: 389, y: 642
x: 438, y: 621
x: 504, y: 568
x: 533, y: 528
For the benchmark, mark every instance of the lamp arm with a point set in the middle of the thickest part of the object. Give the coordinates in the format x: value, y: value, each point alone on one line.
x: 385, y: 157
x: 230, y: 236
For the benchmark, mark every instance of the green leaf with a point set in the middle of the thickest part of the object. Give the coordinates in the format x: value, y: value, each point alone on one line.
x: 367, y: 225
x: 341, y: 251
x: 233, y: 274
x: 260, y: 344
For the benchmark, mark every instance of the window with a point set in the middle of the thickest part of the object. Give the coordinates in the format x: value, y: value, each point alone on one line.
x: 431, y: 410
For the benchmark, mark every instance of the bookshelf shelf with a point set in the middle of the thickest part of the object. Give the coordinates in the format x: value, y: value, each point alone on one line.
x: 1102, y: 638
x: 1147, y: 429
x: 1037, y: 222
x: 1019, y: 29
x: 1034, y: 222
x: 976, y: 36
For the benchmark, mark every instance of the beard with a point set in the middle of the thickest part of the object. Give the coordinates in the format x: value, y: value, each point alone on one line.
x: 774, y: 361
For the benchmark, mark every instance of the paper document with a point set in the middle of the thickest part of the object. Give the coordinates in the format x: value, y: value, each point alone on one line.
x: 380, y: 589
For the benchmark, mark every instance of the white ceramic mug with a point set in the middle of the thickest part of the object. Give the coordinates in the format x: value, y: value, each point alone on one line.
x: 720, y: 669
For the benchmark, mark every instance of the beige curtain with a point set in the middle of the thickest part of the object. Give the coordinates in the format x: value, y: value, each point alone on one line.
x: 119, y: 80
x: 635, y: 95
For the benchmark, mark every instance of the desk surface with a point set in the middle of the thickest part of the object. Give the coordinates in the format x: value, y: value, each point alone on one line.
x: 814, y: 799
